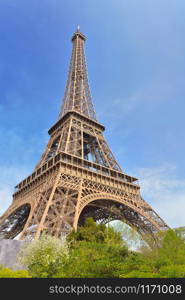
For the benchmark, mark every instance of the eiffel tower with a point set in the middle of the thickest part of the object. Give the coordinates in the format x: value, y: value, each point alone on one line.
x: 77, y: 176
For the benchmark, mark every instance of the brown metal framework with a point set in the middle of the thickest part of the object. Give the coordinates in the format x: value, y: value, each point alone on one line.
x: 77, y: 175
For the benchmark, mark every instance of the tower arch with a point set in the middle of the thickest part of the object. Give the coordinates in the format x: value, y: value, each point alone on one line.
x: 105, y: 208
x: 13, y: 223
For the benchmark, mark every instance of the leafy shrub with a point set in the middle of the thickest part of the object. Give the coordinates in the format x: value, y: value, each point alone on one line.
x: 44, y: 257
x: 8, y: 273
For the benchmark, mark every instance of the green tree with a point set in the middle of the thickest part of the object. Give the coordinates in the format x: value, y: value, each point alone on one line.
x: 96, y: 250
x: 172, y: 250
x: 92, y: 259
x: 93, y: 232
x: 165, y: 260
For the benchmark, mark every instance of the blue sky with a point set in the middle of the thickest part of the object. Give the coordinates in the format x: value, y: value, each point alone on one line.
x: 135, y: 51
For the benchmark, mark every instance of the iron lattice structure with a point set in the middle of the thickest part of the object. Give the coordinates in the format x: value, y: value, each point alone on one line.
x: 77, y: 175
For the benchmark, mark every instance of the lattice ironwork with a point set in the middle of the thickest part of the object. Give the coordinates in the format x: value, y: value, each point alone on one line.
x: 77, y: 94
x: 77, y: 175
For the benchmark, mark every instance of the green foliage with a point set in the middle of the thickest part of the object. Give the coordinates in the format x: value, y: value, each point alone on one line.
x: 173, y: 248
x: 93, y: 232
x: 136, y: 266
x: 8, y: 273
x: 93, y: 260
x: 96, y: 251
x: 167, y: 260
x: 173, y: 271
x: 44, y: 257
x: 139, y: 274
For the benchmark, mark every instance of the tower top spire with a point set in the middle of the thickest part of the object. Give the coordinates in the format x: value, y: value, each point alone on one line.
x: 77, y: 93
x: 78, y: 34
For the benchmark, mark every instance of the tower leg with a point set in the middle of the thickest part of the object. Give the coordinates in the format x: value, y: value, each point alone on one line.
x: 55, y: 212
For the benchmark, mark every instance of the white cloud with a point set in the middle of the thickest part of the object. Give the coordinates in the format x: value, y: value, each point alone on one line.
x: 165, y: 192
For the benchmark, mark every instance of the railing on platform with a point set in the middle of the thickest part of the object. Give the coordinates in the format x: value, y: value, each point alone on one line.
x: 79, y: 162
